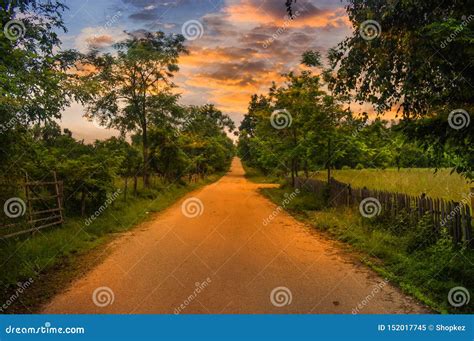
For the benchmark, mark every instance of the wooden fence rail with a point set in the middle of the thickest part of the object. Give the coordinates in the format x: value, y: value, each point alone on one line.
x: 42, y: 207
x: 455, y: 216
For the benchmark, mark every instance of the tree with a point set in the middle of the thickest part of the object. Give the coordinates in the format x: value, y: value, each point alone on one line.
x: 134, y: 86
x: 413, y: 55
x: 290, y: 128
x: 204, y: 134
x: 405, y: 65
x: 34, y: 84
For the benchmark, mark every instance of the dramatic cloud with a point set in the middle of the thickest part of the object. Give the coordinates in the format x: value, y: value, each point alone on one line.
x: 248, y: 44
x: 245, y: 45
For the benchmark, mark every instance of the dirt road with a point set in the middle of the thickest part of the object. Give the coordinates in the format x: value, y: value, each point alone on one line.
x: 216, y: 255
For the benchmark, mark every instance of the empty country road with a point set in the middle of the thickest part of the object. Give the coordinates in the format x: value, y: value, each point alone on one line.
x: 212, y: 253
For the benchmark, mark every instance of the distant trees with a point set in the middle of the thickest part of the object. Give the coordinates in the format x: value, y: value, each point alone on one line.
x: 129, y: 88
x: 299, y: 127
x: 290, y: 129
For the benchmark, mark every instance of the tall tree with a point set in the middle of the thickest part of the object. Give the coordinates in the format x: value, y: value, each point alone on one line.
x: 133, y: 87
x: 413, y: 56
x: 34, y: 84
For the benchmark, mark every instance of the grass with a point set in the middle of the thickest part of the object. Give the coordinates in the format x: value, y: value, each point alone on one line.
x: 257, y: 176
x: 412, y: 181
x: 54, y: 257
x: 427, y: 273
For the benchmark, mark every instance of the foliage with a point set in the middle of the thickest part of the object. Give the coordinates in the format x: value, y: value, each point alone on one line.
x: 312, y: 117
x: 34, y: 84
x: 133, y: 88
x: 427, y: 270
x: 406, y: 66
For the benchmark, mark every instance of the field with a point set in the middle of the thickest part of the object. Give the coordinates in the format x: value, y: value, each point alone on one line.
x: 412, y: 181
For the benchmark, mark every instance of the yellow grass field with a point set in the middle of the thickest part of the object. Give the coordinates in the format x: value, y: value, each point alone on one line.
x: 413, y: 181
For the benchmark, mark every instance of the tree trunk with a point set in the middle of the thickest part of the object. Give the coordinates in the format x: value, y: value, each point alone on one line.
x: 329, y: 161
x: 135, y: 184
x: 83, y: 202
x: 146, y: 180
x: 293, y: 173
x: 125, y: 189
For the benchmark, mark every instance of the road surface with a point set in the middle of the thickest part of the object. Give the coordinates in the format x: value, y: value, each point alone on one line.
x: 217, y: 251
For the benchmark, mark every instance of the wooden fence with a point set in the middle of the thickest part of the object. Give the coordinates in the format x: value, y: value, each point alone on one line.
x: 455, y: 216
x: 41, y: 207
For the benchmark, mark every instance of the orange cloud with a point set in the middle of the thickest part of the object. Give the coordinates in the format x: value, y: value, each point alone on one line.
x: 265, y: 14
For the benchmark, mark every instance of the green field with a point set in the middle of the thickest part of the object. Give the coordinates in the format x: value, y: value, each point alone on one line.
x: 412, y: 181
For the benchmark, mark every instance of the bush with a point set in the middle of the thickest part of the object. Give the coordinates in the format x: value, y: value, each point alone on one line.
x: 359, y: 166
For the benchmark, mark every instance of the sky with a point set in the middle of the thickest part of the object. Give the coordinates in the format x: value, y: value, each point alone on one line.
x: 237, y: 47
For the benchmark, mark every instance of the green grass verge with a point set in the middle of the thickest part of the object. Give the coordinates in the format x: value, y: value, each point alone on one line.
x: 56, y: 256
x: 428, y: 273
x: 257, y: 176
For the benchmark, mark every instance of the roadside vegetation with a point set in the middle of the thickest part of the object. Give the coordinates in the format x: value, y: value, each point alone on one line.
x: 54, y: 257
x: 426, y: 269
x: 306, y: 126
x: 163, y: 151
